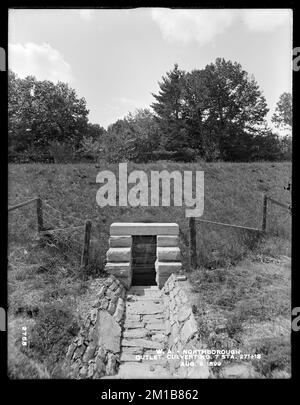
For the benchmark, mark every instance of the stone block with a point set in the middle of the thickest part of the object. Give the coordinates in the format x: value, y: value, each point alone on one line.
x: 126, y: 282
x: 158, y: 337
x: 107, y: 332
x: 111, y: 366
x: 90, y: 352
x: 146, y: 344
x: 99, y: 368
x: 112, y: 307
x: 188, y: 330
x: 153, y: 318
x: 184, y: 313
x: 101, y: 292
x: 91, y: 369
x: 83, y: 372
x: 160, y: 281
x: 167, y: 241
x: 119, y: 254
x: 79, y: 352
x: 118, y: 315
x: 133, y: 325
x: 71, y: 351
x: 155, y: 326
x: 167, y: 268
x: 119, y: 270
x: 120, y: 241
x: 132, y: 350
x: 130, y: 357
x: 168, y: 254
x: 143, y: 308
x: 136, y: 333
x: 141, y: 228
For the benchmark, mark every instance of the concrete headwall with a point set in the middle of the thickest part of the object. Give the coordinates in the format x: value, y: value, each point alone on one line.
x: 168, y: 257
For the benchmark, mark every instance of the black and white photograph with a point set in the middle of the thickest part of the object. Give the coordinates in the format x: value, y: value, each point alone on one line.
x: 149, y: 194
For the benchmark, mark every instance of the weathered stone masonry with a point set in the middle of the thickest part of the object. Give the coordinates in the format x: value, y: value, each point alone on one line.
x: 105, y: 341
x: 182, y: 331
x: 120, y: 251
x: 153, y: 320
x: 95, y: 352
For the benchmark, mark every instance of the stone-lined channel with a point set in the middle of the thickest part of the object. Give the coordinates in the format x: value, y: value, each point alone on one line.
x: 144, y: 334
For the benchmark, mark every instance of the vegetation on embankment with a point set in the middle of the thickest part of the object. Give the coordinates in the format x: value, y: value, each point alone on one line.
x: 38, y: 291
x: 248, y: 308
x: 233, y: 194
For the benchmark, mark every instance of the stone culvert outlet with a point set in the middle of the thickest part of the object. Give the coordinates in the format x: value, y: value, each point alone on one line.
x: 117, y: 331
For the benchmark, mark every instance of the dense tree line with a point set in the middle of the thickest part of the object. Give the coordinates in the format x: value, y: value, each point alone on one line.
x: 219, y: 112
x: 46, y: 121
x: 214, y: 113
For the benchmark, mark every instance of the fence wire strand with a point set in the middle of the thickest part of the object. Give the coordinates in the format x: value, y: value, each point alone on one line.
x: 58, y: 245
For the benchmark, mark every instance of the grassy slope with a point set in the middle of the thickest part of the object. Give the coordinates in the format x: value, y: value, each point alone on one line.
x: 233, y: 194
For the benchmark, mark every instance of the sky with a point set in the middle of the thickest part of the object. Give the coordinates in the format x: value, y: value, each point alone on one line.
x: 115, y: 58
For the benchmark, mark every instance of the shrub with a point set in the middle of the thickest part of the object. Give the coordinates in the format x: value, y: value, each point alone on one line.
x: 52, y: 333
x: 61, y: 152
x: 21, y: 366
x: 276, y: 355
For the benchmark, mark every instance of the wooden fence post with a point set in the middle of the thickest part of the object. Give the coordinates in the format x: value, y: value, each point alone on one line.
x: 193, y: 243
x: 264, y: 213
x: 86, y: 244
x: 39, y: 212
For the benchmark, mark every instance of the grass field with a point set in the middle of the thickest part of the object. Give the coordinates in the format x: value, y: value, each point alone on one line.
x: 243, y: 279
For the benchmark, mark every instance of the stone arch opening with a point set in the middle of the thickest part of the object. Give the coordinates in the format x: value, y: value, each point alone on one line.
x: 130, y: 241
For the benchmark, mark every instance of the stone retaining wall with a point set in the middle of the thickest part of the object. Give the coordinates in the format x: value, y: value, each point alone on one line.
x: 182, y: 331
x: 95, y: 352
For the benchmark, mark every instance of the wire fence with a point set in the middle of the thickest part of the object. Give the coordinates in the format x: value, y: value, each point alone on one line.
x: 40, y: 234
x: 37, y: 231
x: 212, y: 244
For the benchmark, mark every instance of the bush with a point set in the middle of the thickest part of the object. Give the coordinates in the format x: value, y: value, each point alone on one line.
x: 184, y: 155
x: 20, y: 366
x: 52, y: 333
x: 61, y: 152
x: 276, y: 355
x: 31, y: 154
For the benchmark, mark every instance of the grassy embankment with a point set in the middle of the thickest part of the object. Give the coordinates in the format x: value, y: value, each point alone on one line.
x: 233, y: 286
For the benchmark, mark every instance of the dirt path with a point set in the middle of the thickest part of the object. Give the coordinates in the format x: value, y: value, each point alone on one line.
x: 144, y: 334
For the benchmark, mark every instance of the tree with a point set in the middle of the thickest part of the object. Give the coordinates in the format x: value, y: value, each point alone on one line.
x: 41, y: 112
x: 134, y: 137
x: 207, y: 109
x: 91, y: 149
x: 286, y: 147
x: 196, y: 108
x: 237, y: 107
x: 145, y: 136
x: 235, y: 96
x: 283, y: 114
x: 95, y: 131
x: 168, y: 109
x: 118, y: 141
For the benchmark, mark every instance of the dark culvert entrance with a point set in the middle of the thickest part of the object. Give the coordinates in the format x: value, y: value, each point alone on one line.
x: 143, y: 260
